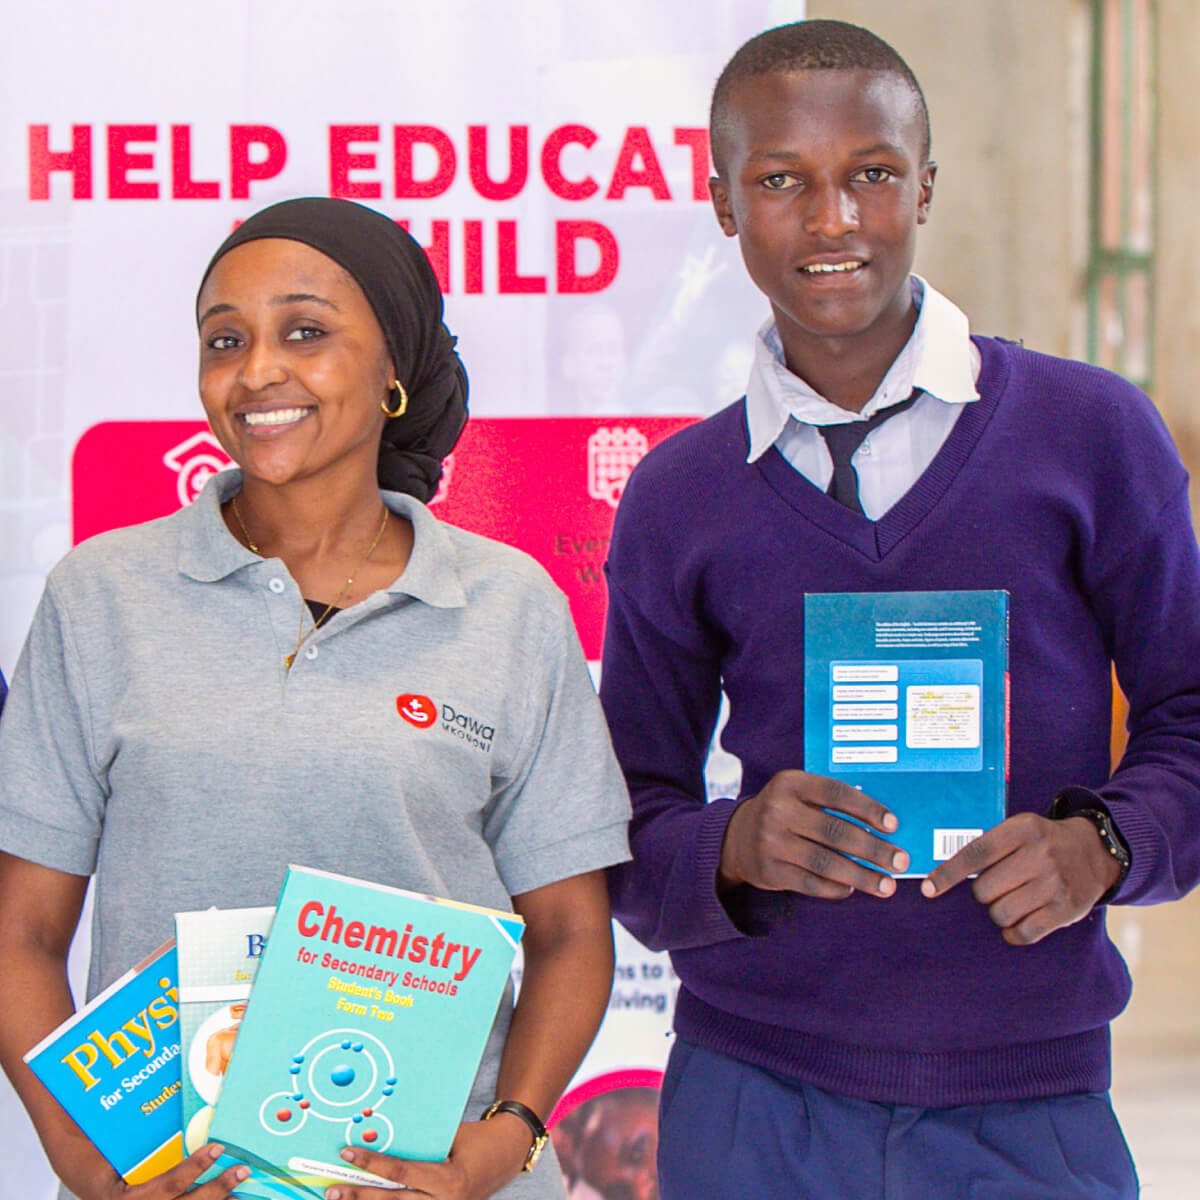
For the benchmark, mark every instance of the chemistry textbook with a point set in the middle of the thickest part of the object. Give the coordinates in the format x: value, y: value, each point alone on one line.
x: 365, y: 1027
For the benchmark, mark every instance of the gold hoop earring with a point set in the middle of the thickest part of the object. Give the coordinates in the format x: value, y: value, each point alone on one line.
x: 401, y: 408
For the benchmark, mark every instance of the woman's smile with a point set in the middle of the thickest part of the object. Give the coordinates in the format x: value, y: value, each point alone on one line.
x: 274, y: 418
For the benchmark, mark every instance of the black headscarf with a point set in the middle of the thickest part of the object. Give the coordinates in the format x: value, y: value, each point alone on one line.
x: 398, y: 282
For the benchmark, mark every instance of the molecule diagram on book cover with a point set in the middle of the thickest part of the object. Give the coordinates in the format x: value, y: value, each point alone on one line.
x: 343, y: 1076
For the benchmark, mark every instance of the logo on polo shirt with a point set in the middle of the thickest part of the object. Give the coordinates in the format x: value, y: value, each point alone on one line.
x: 424, y: 713
x: 417, y: 710
x: 468, y: 728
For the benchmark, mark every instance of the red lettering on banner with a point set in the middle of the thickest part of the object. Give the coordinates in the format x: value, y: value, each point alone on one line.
x: 473, y: 258
x: 438, y: 250
x: 518, y: 162
x: 408, y: 187
x: 637, y: 145
x: 343, y: 160
x: 569, y: 279
x: 245, y: 169
x: 552, y: 148
x: 183, y: 186
x: 121, y: 160
x: 697, y: 141
x: 567, y: 235
x: 510, y: 282
x: 43, y: 160
x: 425, y: 165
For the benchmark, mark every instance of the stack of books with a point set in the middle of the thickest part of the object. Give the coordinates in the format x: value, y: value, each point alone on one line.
x: 351, y: 1014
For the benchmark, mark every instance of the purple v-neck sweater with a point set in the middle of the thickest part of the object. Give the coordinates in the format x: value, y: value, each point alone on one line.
x: 1061, y: 485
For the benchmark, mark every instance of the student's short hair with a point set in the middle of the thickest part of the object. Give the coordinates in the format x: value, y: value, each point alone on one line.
x: 808, y: 46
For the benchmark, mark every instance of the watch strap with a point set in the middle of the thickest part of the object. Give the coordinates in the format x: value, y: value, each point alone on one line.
x: 1092, y: 809
x: 540, y: 1134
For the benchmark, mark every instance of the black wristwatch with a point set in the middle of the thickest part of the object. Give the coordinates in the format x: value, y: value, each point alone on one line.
x: 1102, y: 821
x: 526, y: 1114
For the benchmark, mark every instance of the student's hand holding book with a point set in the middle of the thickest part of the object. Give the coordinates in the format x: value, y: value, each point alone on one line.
x: 790, y: 837
x: 1033, y: 874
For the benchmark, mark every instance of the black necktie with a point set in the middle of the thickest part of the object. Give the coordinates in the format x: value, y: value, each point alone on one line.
x: 843, y: 441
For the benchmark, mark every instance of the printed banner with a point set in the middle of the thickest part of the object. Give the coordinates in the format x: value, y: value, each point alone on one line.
x: 551, y: 157
x: 547, y: 485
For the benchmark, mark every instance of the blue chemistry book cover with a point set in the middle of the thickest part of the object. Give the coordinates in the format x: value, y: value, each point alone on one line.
x: 365, y: 1027
x: 114, y: 1066
x: 219, y: 951
x: 906, y: 697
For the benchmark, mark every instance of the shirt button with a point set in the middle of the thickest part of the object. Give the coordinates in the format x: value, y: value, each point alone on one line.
x: 865, y: 448
x: 277, y: 586
x: 311, y: 652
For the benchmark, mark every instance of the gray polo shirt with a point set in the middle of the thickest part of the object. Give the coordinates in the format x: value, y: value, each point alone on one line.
x: 442, y: 735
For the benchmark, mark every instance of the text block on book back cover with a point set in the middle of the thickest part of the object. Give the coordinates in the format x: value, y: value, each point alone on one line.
x: 547, y: 485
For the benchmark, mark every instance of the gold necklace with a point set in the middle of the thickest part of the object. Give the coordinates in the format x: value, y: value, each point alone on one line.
x: 301, y: 636
x: 242, y: 524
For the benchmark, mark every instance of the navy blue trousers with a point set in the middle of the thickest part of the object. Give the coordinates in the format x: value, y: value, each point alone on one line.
x: 729, y: 1129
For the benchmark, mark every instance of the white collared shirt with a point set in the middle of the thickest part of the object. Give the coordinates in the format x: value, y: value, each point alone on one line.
x: 939, y: 358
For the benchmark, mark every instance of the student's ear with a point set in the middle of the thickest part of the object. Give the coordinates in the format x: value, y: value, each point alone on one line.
x: 925, y: 197
x: 718, y: 189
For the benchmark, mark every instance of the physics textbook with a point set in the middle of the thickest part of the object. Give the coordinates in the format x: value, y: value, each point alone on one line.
x: 114, y: 1066
x: 906, y: 698
x: 368, y: 1017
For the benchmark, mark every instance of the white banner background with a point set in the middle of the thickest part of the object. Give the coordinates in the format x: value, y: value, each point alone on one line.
x: 96, y: 291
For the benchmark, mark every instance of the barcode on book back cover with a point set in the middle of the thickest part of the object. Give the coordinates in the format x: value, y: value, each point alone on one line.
x: 948, y: 842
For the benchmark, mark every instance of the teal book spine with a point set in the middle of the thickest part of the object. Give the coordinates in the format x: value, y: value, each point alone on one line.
x: 906, y: 698
x: 219, y: 951
x: 365, y: 1027
x: 114, y: 1066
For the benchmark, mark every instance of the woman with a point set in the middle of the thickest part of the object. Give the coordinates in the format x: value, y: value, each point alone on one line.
x: 265, y: 678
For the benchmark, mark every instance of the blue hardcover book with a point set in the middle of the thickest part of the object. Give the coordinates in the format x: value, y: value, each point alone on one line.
x: 219, y: 951
x: 906, y: 698
x: 114, y: 1066
x: 365, y: 1027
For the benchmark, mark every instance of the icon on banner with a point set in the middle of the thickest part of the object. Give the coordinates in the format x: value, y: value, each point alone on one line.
x: 444, y: 483
x: 195, y: 461
x: 612, y: 455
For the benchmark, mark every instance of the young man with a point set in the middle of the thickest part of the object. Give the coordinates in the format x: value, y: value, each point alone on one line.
x: 840, y: 1033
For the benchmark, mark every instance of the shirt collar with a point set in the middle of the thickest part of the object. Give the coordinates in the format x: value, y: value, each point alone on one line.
x: 939, y: 358
x: 209, y: 552
x: 432, y: 571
